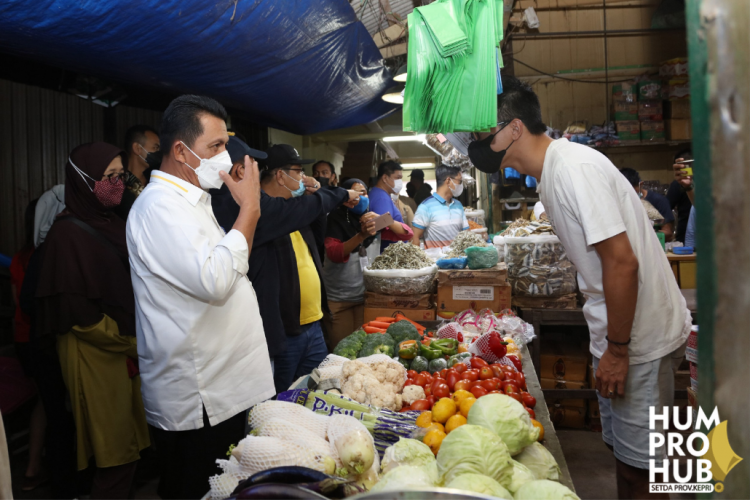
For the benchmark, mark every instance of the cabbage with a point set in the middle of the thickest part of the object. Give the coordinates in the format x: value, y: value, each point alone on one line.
x: 409, y: 452
x: 520, y: 476
x: 539, y: 461
x: 507, y: 418
x: 544, y: 490
x: 478, y: 483
x: 404, y: 478
x: 471, y: 449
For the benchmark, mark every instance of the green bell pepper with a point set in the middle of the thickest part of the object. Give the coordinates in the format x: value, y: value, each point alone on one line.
x: 430, y: 352
x: 448, y: 347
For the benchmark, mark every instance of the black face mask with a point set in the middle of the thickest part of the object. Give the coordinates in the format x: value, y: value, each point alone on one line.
x: 483, y: 157
x: 323, y: 181
x: 153, y: 160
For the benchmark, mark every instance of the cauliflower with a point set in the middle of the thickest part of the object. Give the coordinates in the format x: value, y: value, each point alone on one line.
x: 377, y: 384
x: 413, y: 393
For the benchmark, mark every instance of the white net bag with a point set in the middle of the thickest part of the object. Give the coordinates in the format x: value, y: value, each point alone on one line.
x: 260, y: 453
x: 330, y: 368
x: 386, y: 369
x: 291, y: 430
x: 222, y: 485
x: 339, y: 426
x: 482, y: 349
x: 304, y: 417
x: 451, y: 331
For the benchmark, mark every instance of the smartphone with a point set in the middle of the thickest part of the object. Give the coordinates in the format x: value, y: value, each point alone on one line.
x: 685, y: 161
x: 383, y: 221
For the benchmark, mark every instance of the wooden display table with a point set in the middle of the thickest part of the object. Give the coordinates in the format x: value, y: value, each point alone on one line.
x: 684, y: 268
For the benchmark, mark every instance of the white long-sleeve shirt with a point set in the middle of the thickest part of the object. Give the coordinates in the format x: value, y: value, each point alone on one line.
x: 200, y: 335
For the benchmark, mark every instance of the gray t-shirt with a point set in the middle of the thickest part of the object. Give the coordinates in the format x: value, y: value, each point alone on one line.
x: 345, y: 282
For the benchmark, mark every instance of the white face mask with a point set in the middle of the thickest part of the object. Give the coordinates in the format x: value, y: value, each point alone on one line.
x: 398, y: 184
x: 208, y: 171
x: 457, y: 190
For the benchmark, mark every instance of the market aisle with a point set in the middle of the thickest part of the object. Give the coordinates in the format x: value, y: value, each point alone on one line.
x: 591, y: 464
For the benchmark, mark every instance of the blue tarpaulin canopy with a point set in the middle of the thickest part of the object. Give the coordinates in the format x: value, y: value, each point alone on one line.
x: 304, y: 66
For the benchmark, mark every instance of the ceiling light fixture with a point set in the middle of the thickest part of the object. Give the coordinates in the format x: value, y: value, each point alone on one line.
x: 417, y: 165
x: 400, y: 74
x: 405, y: 138
x: 394, y: 95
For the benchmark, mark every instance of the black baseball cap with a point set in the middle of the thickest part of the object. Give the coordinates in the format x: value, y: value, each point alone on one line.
x: 282, y: 155
x: 238, y: 149
x: 417, y: 172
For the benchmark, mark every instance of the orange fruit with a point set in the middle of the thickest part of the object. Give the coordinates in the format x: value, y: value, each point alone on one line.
x: 434, y: 439
x: 463, y: 348
x: 466, y: 405
x: 455, y: 421
x: 539, y: 426
x: 424, y: 419
x: 434, y: 426
x: 444, y: 409
x: 460, y: 395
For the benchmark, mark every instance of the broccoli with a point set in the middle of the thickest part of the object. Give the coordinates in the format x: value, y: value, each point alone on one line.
x: 350, y: 346
x: 378, y: 343
x: 403, y: 330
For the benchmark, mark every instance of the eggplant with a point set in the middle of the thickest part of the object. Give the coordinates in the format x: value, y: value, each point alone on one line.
x: 284, y: 475
x: 273, y: 491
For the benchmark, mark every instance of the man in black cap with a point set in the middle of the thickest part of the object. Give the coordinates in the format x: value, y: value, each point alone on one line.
x: 286, y: 216
x: 422, y: 190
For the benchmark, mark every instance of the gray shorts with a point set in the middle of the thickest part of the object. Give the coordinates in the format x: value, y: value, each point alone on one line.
x: 625, y: 421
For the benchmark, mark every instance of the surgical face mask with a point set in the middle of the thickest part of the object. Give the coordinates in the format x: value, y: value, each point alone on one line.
x: 108, y: 192
x: 361, y: 207
x: 153, y: 160
x: 457, y: 190
x: 398, y: 184
x: 208, y: 171
x: 297, y: 192
x: 482, y: 155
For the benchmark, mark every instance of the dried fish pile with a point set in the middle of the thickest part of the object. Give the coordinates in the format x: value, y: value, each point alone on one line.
x: 523, y: 227
x: 464, y: 240
x: 401, y: 255
x: 539, y: 267
x: 651, y: 211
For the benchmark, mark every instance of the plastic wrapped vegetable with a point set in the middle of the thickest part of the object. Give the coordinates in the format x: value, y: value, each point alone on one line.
x: 507, y: 418
x: 350, y: 346
x: 482, y: 257
x: 410, y: 452
x: 539, y: 461
x: 481, y: 484
x: 407, y: 477
x: 378, y: 343
x: 403, y: 330
x: 473, y: 449
x: 544, y: 490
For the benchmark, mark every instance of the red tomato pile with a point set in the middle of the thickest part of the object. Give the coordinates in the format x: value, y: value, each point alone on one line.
x: 480, y: 379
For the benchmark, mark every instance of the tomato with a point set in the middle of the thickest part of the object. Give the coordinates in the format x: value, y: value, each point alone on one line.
x: 443, y: 373
x: 491, y: 384
x: 510, y: 388
x: 471, y: 375
x: 516, y: 361
x: 460, y: 368
x: 421, y: 405
x: 478, y: 363
x: 528, y: 399
x: 486, y: 373
x: 409, y: 382
x: 428, y: 389
x: 462, y: 385
x: 531, y: 413
x: 426, y: 374
x: 412, y: 374
x: 451, y: 380
x: 420, y: 380
x: 476, y: 383
x: 508, y: 369
x: 495, y: 392
x: 521, y: 379
x: 441, y: 390
x: 451, y: 370
x: 431, y: 400
x: 405, y: 408
x: 498, y: 371
x: 513, y: 395
x: 478, y: 391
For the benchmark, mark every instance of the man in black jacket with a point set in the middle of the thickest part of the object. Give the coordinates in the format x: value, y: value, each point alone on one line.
x: 295, y: 343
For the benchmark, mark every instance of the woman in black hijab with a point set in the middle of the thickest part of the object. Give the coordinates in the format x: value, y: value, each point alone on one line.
x: 349, y: 245
x: 86, y: 306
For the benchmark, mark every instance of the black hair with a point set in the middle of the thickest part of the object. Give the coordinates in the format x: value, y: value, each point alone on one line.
x: 411, y: 190
x: 330, y: 165
x: 136, y: 133
x: 443, y: 172
x: 519, y: 101
x: 633, y: 177
x: 182, y: 119
x: 686, y: 153
x: 388, y: 167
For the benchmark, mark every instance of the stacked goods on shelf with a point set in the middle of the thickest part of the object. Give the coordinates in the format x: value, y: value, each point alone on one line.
x: 625, y: 97
x: 461, y: 289
x: 564, y: 366
x: 676, y: 94
x: 650, y: 111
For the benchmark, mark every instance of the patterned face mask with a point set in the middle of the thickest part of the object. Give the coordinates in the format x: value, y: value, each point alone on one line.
x: 108, y: 192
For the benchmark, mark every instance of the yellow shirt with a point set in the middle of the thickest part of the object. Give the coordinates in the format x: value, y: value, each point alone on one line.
x: 309, y: 282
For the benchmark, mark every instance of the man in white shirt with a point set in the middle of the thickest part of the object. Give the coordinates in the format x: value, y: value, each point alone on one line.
x: 201, y: 347
x: 607, y: 235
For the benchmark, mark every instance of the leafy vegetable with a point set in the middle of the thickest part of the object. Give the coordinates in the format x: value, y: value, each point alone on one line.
x: 520, y: 476
x: 438, y: 364
x: 544, y: 490
x: 378, y: 343
x: 473, y: 449
x: 420, y: 364
x: 410, y: 452
x: 478, y: 483
x: 404, y: 478
x: 403, y: 330
x: 540, y: 462
x: 507, y: 418
x: 350, y: 346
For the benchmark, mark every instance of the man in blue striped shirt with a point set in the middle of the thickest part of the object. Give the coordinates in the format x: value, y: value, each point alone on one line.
x: 441, y: 217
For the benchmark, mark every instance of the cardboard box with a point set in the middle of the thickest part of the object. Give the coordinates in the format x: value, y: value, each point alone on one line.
x: 625, y: 110
x: 625, y: 92
x: 457, y: 298
x: 629, y: 131
x: 548, y: 383
x: 495, y: 276
x: 569, y: 301
x: 650, y: 110
x: 563, y: 361
x: 679, y: 129
x: 594, y: 409
x: 413, y: 314
x: 653, y: 131
x: 691, y: 351
x: 692, y: 398
x: 677, y: 109
x: 649, y: 90
x: 568, y: 416
x: 423, y: 301
x: 677, y: 88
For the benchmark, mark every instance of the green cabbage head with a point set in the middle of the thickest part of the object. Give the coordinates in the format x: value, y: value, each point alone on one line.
x: 520, y: 476
x: 544, y: 490
x: 409, y: 452
x: 478, y: 483
x: 507, y: 418
x: 406, y: 477
x: 471, y: 449
x: 539, y: 461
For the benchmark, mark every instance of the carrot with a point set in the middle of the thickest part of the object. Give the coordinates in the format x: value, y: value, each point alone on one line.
x: 372, y: 329
x: 400, y: 317
x: 379, y: 324
x: 386, y: 319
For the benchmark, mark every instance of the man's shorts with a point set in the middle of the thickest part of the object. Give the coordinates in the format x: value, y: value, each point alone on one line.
x: 625, y: 421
